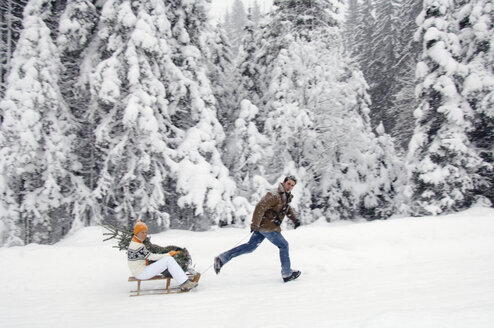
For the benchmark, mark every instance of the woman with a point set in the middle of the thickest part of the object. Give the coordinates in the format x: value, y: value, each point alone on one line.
x: 138, y: 257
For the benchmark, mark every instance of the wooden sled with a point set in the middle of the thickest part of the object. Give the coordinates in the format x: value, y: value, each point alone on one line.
x: 161, y: 291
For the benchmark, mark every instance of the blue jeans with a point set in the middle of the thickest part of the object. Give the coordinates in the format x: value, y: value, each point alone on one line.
x: 255, y: 240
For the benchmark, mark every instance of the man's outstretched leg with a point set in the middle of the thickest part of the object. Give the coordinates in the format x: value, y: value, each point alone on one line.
x: 255, y: 239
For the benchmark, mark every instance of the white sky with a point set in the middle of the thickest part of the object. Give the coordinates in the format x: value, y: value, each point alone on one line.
x: 218, y: 7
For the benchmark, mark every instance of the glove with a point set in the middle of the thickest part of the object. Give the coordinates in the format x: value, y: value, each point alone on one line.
x: 173, y: 253
x: 296, y: 224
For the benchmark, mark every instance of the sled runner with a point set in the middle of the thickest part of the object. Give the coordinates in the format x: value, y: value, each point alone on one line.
x: 161, y: 291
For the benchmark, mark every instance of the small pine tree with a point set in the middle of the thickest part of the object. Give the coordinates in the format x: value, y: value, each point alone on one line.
x: 124, y: 236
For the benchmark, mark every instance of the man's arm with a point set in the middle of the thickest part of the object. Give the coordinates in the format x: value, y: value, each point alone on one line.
x: 291, y: 214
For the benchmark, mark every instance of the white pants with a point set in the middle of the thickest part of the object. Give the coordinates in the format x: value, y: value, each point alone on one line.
x: 159, y: 266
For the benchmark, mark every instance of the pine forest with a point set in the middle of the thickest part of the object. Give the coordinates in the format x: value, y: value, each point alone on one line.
x: 114, y: 110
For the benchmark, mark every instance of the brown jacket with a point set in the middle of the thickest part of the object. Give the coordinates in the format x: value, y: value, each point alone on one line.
x: 268, y: 206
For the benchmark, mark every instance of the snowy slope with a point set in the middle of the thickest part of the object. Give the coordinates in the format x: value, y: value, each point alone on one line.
x: 411, y: 272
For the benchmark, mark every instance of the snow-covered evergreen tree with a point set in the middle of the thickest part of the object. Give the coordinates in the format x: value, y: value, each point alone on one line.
x: 406, y: 14
x: 255, y: 13
x: 10, y: 29
x: 223, y: 75
x: 157, y: 124
x: 316, y: 116
x: 444, y: 163
x: 76, y: 25
x: 248, y: 68
x: 380, y: 36
x: 10, y: 221
x: 404, y: 103
x: 476, y: 24
x: 203, y: 182
x: 75, y: 31
x: 250, y: 150
x: 382, y: 58
x: 352, y: 24
x: 360, y: 26
x: 356, y: 173
x: 224, y: 78
x: 289, y: 121
x: 37, y: 133
x: 129, y: 106
x: 247, y: 150
x: 403, y: 98
x: 235, y: 21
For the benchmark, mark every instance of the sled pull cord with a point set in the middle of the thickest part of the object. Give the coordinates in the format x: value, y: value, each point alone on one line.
x: 238, y: 243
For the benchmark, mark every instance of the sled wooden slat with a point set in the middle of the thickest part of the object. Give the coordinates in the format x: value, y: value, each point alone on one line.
x: 160, y: 291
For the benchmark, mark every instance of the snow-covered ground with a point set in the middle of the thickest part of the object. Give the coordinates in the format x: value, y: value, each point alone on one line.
x: 409, y: 272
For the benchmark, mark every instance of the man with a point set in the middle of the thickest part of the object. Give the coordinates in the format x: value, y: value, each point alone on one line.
x: 266, y: 221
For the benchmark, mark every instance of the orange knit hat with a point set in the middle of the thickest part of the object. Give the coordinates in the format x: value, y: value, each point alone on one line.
x: 140, y: 226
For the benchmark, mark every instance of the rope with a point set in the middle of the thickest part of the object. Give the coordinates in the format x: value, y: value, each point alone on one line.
x: 238, y: 243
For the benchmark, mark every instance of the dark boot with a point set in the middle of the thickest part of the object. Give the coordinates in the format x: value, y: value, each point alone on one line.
x: 293, y: 276
x: 217, y: 264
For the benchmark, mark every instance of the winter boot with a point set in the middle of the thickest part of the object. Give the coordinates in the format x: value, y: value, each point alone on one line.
x: 196, y: 277
x: 295, y: 274
x: 188, y: 285
x: 217, y: 264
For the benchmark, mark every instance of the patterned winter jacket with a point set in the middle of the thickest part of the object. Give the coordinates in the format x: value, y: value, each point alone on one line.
x: 267, y: 209
x: 138, y: 256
